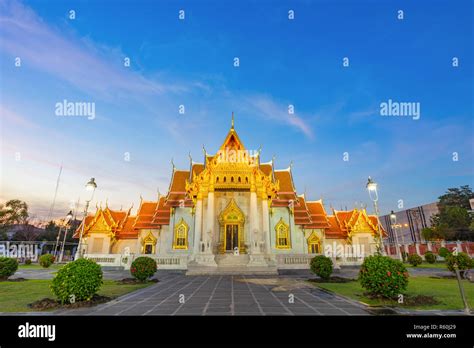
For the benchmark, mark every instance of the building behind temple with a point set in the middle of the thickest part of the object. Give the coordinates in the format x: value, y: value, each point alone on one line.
x: 410, y: 223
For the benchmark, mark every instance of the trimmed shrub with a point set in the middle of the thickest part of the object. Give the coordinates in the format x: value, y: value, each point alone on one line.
x: 46, y: 260
x: 430, y: 257
x: 8, y: 267
x: 143, y: 267
x: 461, y: 261
x: 443, y: 252
x: 321, y: 266
x: 28, y: 262
x: 414, y: 260
x: 77, y: 281
x: 383, y: 276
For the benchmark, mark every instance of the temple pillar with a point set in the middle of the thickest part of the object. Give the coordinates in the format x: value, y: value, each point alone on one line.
x: 266, y: 226
x: 209, y: 222
x: 205, y: 258
x: 197, y: 227
x: 253, y: 220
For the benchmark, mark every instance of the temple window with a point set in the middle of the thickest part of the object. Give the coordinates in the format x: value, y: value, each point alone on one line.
x: 282, y: 239
x: 217, y: 180
x: 246, y: 179
x: 225, y: 178
x: 232, y: 179
x: 314, y: 244
x: 240, y: 179
x: 181, y: 235
x: 148, y: 248
x: 149, y: 244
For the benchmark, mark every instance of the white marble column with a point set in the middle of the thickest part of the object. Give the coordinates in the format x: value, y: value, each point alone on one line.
x: 208, y: 233
x: 197, y: 227
x: 253, y: 220
x: 266, y: 226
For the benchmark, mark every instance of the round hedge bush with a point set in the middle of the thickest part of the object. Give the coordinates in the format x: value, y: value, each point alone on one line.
x: 461, y: 261
x: 28, y: 262
x: 77, y: 281
x: 8, y: 267
x: 383, y: 276
x: 443, y: 252
x: 143, y: 267
x: 46, y: 260
x: 430, y: 257
x: 414, y: 260
x: 321, y: 266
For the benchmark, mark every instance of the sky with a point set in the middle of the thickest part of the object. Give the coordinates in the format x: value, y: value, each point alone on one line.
x: 138, y: 128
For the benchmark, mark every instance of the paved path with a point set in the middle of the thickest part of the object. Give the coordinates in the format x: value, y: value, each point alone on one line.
x: 226, y: 295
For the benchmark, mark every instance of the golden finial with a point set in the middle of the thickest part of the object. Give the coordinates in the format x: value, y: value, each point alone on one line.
x: 232, y: 127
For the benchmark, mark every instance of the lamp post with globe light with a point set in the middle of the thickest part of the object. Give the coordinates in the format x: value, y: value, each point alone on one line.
x: 393, y: 221
x: 90, y: 187
x: 68, y: 219
x: 63, y: 226
x: 372, y: 188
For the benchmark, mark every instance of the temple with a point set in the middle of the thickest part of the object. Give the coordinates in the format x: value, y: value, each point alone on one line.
x: 232, y: 213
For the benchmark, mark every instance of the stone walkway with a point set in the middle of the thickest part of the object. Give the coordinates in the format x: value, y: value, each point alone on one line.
x: 177, y: 294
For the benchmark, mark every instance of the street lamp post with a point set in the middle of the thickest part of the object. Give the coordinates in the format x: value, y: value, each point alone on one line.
x: 90, y: 187
x: 68, y: 219
x: 57, y: 240
x: 393, y: 220
x: 372, y: 188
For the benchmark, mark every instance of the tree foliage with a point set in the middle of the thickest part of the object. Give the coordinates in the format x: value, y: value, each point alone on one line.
x: 453, y: 220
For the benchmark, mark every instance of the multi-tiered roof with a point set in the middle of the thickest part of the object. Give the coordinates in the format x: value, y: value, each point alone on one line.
x: 233, y: 168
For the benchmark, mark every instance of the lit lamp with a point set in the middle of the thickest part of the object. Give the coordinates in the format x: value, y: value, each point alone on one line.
x: 393, y: 220
x: 372, y: 188
x: 69, y: 217
x: 90, y: 188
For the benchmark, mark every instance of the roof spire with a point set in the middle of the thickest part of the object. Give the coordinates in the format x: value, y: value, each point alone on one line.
x: 232, y: 125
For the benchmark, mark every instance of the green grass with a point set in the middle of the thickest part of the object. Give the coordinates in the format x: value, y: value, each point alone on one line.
x: 446, y: 291
x: 440, y: 265
x: 14, y: 296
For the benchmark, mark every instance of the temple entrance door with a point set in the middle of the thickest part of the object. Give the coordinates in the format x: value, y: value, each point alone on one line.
x: 231, y: 237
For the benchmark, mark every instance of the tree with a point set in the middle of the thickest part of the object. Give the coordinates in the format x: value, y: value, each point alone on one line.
x: 50, y: 232
x: 430, y: 233
x: 27, y: 232
x: 13, y: 212
x: 453, y: 220
x: 456, y: 197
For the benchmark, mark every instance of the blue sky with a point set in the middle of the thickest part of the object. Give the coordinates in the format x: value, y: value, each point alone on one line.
x: 190, y: 63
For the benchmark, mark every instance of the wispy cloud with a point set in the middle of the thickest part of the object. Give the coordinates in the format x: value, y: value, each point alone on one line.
x: 96, y: 70
x: 267, y: 108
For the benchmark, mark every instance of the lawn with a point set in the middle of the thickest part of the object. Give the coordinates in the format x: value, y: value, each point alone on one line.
x: 14, y: 296
x: 441, y: 265
x: 446, y: 291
